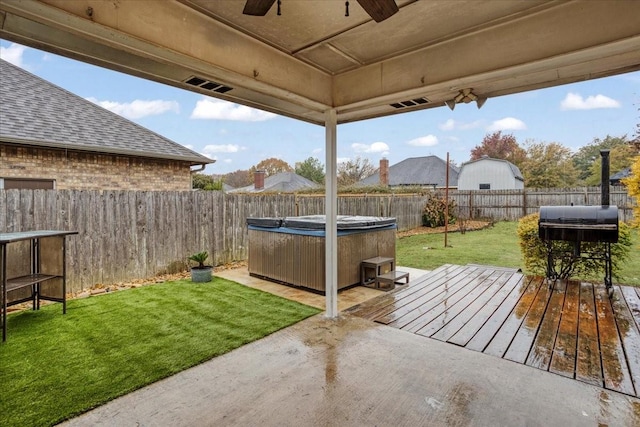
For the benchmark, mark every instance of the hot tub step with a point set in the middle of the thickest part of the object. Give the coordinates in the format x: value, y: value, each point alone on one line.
x: 388, y: 281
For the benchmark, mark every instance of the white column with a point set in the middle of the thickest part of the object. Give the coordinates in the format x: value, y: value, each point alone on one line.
x: 331, y: 212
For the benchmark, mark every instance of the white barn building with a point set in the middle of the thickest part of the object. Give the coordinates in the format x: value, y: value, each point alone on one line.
x: 490, y: 174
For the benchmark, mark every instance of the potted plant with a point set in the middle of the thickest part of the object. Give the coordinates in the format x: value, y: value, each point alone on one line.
x: 201, y: 272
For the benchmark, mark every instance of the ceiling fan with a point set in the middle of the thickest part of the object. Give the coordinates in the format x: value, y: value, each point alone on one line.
x: 379, y: 10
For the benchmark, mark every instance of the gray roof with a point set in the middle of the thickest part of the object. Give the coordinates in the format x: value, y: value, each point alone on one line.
x: 422, y: 171
x: 285, y: 182
x: 36, y: 112
x: 624, y: 173
x: 514, y: 169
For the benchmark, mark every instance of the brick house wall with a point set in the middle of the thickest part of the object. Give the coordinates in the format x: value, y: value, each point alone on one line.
x: 90, y: 171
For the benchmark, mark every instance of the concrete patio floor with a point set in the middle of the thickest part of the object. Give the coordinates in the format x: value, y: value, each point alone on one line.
x: 354, y: 372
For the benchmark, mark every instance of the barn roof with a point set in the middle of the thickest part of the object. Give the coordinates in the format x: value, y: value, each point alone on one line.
x: 36, y: 112
x: 514, y: 169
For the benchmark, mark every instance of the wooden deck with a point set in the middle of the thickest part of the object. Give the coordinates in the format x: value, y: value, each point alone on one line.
x: 572, y: 330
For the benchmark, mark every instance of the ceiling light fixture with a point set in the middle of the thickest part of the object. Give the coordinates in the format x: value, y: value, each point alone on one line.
x: 465, y: 96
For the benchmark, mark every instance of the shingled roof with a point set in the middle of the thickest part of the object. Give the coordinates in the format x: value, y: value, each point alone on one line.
x: 36, y: 112
x: 285, y: 182
x: 418, y: 171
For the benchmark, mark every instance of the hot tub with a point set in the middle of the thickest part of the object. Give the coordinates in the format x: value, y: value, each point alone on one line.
x: 291, y: 250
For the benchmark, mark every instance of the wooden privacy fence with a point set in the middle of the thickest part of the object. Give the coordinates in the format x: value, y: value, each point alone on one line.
x: 126, y: 235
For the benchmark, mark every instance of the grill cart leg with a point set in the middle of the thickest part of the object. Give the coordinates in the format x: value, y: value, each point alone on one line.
x: 608, y: 270
x: 552, y: 276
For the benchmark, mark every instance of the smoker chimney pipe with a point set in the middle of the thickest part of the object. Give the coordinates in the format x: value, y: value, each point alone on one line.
x: 604, y: 178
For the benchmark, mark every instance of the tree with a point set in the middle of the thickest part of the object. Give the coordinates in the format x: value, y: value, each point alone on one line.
x: 498, y: 146
x: 548, y: 165
x: 271, y: 166
x: 620, y: 157
x: 206, y: 182
x: 633, y: 188
x: 587, y: 155
x: 239, y: 178
x: 352, y: 171
x: 311, y: 169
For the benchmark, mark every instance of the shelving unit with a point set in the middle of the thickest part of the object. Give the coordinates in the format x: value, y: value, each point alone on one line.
x: 32, y: 268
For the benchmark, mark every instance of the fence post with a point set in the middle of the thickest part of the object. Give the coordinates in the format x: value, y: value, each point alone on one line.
x: 524, y: 202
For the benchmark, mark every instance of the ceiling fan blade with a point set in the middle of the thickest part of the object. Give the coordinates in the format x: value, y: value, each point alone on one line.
x: 257, y: 7
x: 379, y: 9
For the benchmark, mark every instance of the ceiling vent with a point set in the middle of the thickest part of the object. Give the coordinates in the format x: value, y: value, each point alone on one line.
x: 208, y: 85
x: 410, y: 103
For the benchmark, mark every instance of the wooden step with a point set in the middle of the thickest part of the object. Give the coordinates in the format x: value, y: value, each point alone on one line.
x: 387, y: 281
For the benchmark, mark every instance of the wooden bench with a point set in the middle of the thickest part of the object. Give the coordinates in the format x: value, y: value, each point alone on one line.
x: 391, y: 279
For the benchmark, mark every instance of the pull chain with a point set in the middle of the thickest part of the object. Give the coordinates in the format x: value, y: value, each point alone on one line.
x: 346, y: 8
x: 279, y: 12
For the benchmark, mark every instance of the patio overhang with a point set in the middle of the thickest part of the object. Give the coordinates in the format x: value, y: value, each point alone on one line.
x: 314, y: 64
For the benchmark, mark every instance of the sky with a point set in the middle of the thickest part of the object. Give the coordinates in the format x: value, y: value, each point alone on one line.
x: 239, y: 137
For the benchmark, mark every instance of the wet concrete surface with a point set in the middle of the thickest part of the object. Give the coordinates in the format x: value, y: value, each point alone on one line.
x: 354, y: 372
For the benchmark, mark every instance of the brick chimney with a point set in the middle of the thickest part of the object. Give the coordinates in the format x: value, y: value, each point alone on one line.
x: 258, y: 180
x: 384, y: 172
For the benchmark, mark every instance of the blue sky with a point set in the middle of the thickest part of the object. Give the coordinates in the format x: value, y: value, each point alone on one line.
x: 238, y: 137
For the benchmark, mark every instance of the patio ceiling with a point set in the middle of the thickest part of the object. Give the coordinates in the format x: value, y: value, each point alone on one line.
x: 312, y: 58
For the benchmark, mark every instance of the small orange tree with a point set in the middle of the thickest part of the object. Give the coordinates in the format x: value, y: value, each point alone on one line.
x: 633, y: 188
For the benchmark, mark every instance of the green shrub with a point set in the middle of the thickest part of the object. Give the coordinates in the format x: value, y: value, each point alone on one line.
x: 534, y: 253
x: 434, y: 209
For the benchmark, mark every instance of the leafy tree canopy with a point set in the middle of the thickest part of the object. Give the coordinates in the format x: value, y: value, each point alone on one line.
x: 352, y: 171
x: 206, y: 182
x: 587, y: 155
x: 620, y: 157
x: 271, y: 166
x: 311, y: 169
x: 499, y: 146
x: 239, y: 178
x: 548, y: 165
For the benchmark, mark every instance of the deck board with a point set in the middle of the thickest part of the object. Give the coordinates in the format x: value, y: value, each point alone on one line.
x: 614, y: 363
x: 571, y: 328
x: 588, y: 365
x: 630, y: 335
x: 563, y: 359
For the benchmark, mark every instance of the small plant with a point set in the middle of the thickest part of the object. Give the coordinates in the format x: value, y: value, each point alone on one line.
x: 200, y: 258
x: 434, y: 210
x: 534, y: 252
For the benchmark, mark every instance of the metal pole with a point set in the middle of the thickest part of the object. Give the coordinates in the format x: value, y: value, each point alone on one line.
x: 331, y: 213
x: 446, y: 203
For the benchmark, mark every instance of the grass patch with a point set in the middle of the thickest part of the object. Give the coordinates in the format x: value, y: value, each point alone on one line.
x: 497, y: 245
x: 55, y: 366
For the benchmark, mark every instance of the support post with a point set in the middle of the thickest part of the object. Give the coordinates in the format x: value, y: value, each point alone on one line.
x: 331, y: 213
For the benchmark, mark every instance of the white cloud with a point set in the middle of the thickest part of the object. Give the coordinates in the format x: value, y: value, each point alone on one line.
x: 376, y: 147
x: 451, y: 124
x: 227, y: 160
x: 508, y: 123
x: 424, y: 141
x: 575, y: 101
x: 224, y: 148
x: 317, y: 151
x: 342, y: 160
x: 138, y: 108
x: 207, y: 108
x: 13, y: 54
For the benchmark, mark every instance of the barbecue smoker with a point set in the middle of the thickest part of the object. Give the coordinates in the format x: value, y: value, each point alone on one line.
x: 577, y: 224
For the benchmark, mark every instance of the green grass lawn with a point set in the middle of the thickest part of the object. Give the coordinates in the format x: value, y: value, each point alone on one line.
x: 497, y: 245
x: 56, y: 366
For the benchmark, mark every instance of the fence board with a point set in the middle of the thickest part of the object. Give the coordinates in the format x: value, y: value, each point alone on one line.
x: 126, y: 235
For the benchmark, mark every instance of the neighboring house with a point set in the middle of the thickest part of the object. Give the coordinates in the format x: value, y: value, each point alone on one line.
x: 51, y: 138
x: 284, y: 182
x: 490, y: 174
x: 429, y: 171
x: 616, y: 178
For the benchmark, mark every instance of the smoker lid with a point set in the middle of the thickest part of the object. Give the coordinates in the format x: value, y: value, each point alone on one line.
x: 344, y: 222
x: 579, y: 215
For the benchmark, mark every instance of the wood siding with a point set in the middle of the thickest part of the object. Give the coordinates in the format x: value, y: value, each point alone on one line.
x: 126, y: 235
